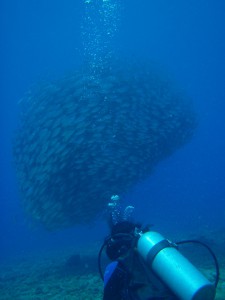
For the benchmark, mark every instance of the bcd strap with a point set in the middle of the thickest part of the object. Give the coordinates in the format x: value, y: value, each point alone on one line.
x: 156, y: 249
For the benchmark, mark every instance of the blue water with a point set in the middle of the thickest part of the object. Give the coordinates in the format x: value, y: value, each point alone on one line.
x: 42, y: 40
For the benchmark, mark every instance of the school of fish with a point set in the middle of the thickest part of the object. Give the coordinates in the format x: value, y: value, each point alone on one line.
x: 82, y: 139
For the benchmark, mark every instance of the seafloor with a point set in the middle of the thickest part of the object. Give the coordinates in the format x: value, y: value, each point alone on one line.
x: 68, y: 275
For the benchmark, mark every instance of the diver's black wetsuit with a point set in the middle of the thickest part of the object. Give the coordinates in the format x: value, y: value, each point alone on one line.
x: 118, y: 287
x: 125, y: 277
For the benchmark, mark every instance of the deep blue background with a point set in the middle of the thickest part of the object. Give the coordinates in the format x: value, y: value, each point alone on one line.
x: 42, y: 39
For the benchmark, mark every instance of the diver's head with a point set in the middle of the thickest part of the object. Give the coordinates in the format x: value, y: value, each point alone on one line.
x: 121, y: 240
x: 125, y: 227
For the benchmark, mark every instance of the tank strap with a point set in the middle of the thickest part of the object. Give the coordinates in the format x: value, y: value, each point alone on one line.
x: 156, y: 249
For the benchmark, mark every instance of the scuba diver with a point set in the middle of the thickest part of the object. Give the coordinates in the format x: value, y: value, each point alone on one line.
x: 146, y: 266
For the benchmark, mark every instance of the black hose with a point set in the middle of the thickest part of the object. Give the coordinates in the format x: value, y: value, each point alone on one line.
x: 126, y: 236
x: 99, y: 260
x: 210, y: 251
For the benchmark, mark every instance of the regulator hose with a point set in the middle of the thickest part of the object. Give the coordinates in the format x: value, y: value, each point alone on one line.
x: 117, y: 236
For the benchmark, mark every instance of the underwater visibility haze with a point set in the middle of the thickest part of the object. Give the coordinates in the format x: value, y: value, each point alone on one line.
x: 105, y: 97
